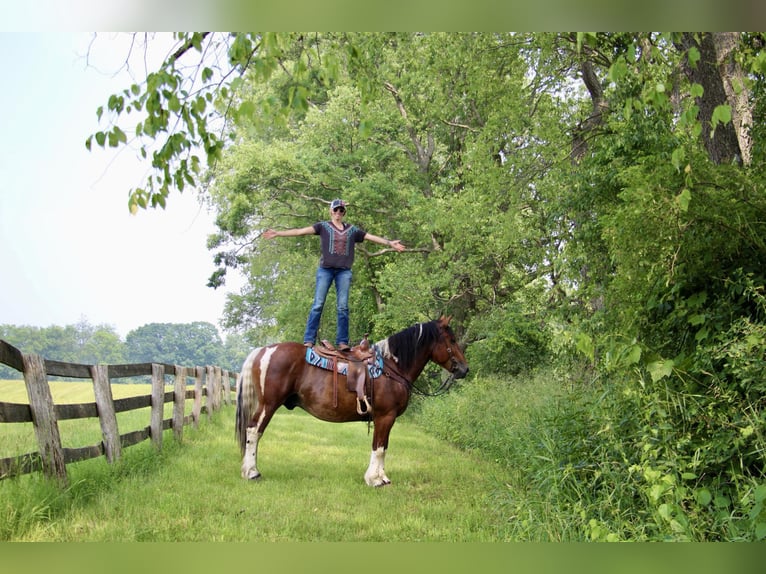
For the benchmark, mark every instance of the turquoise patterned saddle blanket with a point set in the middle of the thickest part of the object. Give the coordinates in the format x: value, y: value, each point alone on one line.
x: 374, y: 367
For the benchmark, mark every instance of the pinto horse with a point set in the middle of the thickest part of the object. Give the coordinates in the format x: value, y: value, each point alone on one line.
x: 279, y: 375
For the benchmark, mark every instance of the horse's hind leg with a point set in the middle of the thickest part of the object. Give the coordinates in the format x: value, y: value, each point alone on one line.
x: 254, y: 433
x: 249, y: 468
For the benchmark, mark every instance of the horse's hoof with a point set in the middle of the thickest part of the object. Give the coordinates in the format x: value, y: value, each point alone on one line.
x: 255, y: 477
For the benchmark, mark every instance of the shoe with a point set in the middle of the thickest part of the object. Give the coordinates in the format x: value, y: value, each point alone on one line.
x: 343, y: 347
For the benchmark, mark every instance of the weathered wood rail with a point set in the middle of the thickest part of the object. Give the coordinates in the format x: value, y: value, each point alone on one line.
x: 213, y: 383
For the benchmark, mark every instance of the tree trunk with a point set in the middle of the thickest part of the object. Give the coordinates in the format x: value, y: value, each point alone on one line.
x: 585, y: 129
x: 722, y: 144
x: 736, y: 90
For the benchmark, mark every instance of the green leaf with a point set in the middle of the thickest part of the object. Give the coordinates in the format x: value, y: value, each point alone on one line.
x: 678, y: 157
x: 760, y: 530
x: 618, y: 70
x: 722, y: 501
x: 697, y: 319
x: 660, y: 369
x: 116, y: 137
x: 721, y: 114
x: 584, y: 344
x: 703, y: 496
x: 683, y: 200
x: 693, y: 56
x: 633, y: 355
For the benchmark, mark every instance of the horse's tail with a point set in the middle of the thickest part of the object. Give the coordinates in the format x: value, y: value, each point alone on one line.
x: 247, y: 400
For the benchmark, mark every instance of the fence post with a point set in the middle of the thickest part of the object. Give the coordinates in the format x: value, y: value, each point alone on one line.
x: 197, y: 396
x: 158, y: 403
x: 226, y: 387
x: 218, y: 387
x: 44, y: 418
x: 106, y: 415
x: 212, y: 394
x: 179, y: 402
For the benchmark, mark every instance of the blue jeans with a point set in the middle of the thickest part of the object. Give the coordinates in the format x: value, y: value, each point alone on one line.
x: 325, y: 277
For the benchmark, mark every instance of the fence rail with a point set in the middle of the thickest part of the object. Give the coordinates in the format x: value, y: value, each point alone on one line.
x: 213, y: 383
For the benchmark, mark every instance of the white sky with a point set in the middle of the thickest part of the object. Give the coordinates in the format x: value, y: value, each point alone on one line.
x: 69, y: 248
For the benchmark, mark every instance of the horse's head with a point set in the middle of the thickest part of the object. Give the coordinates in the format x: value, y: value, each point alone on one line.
x: 446, y: 352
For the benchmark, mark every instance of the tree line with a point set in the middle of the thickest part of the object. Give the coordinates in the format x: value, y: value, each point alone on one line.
x: 186, y: 344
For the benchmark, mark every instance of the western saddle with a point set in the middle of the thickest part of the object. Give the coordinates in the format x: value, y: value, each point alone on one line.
x: 356, y: 374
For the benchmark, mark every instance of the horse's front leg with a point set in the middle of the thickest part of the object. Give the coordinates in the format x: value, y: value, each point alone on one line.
x: 376, y: 472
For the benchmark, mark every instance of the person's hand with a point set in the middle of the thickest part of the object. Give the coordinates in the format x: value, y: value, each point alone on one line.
x: 396, y: 244
x: 269, y: 234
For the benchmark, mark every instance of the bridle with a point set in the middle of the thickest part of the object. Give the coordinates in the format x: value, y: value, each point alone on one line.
x: 446, y: 384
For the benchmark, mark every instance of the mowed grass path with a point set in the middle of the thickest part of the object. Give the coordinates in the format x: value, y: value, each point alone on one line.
x: 312, y: 489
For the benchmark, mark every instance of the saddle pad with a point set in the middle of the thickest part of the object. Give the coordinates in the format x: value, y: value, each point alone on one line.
x: 375, y: 368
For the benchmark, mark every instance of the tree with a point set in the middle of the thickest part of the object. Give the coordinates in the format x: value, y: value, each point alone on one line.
x: 81, y: 343
x: 188, y: 344
x: 186, y: 101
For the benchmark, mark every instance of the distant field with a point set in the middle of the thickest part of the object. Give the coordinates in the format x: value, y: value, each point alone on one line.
x: 68, y: 392
x: 19, y: 438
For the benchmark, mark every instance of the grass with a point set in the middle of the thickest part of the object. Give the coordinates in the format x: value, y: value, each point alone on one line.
x: 312, y: 490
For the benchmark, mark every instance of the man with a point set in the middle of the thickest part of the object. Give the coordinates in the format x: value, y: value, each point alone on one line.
x: 337, y: 241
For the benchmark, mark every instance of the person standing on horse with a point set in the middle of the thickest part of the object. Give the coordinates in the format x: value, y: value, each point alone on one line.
x: 337, y: 240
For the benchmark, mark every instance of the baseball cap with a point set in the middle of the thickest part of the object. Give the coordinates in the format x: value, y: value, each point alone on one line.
x: 337, y: 203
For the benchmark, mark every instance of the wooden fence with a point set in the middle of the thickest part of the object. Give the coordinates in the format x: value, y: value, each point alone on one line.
x: 213, y: 383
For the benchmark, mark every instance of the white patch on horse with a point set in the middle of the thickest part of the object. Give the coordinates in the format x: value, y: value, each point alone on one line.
x: 247, y: 368
x: 263, y: 367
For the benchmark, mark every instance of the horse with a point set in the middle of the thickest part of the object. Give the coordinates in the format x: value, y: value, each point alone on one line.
x: 279, y: 374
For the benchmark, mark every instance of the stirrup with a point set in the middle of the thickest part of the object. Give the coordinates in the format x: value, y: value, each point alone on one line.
x: 367, y: 406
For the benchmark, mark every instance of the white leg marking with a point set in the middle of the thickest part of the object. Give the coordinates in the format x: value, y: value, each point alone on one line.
x: 376, y: 473
x: 249, y: 461
x: 249, y: 469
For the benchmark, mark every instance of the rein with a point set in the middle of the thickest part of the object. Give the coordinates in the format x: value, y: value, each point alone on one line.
x: 443, y: 388
x: 392, y: 373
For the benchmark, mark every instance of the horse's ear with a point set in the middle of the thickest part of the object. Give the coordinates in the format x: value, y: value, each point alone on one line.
x: 445, y: 319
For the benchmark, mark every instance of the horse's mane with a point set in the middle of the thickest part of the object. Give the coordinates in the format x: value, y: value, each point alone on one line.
x: 403, y: 346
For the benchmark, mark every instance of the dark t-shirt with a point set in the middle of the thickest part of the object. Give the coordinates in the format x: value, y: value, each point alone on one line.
x: 337, y: 245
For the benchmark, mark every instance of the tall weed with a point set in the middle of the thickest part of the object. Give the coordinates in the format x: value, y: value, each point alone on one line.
x: 603, y: 461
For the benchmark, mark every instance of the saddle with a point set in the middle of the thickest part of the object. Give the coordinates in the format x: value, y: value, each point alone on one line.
x: 359, y: 364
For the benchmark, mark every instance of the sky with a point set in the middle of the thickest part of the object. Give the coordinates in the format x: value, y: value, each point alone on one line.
x: 69, y: 248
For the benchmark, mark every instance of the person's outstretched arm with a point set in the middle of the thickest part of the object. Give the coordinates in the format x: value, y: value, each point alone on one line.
x: 395, y: 243
x: 271, y: 233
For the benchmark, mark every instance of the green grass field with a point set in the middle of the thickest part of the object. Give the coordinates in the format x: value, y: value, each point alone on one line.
x: 312, y: 489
